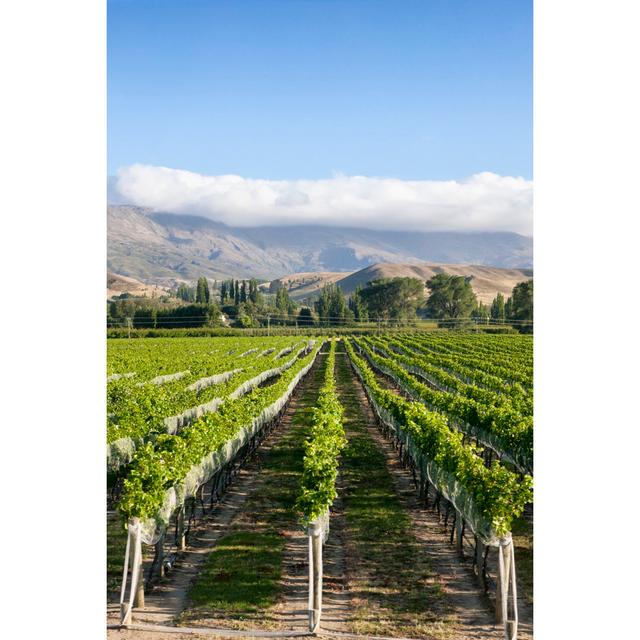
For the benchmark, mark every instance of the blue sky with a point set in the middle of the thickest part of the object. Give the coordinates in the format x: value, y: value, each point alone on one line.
x: 306, y: 89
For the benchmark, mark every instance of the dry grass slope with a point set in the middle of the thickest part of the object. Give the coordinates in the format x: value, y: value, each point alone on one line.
x: 486, y: 281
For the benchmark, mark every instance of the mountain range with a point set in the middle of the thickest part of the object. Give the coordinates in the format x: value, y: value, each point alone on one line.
x: 163, y: 248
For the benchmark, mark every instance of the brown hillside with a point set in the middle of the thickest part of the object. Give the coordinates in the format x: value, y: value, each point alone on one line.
x: 307, y: 284
x: 117, y: 284
x: 486, y: 281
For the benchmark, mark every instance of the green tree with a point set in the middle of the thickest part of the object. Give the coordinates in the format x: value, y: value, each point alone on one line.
x: 358, y: 305
x: 497, y: 308
x: 144, y: 318
x: 508, y: 309
x: 186, y: 316
x: 306, y: 318
x: 522, y: 306
x: 202, y: 291
x: 285, y: 306
x: 393, y: 299
x: 332, y: 306
x: 481, y: 313
x: 237, y: 293
x: 223, y: 292
x: 186, y: 293
x: 450, y: 298
x: 254, y: 293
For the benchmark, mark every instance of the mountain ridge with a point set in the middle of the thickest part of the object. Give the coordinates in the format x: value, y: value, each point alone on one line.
x: 163, y: 248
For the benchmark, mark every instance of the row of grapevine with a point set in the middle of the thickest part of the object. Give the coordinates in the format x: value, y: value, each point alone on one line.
x: 487, y: 499
x: 464, y: 370
x: 139, y: 412
x: 322, y: 448
x: 153, y: 357
x: 164, y: 472
x: 515, y: 348
x: 499, y: 365
x: 318, y: 483
x: 499, y: 427
x: 513, y: 396
x: 495, y: 495
x: 167, y: 472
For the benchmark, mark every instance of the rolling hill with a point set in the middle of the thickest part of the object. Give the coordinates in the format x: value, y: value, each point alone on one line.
x: 486, y: 281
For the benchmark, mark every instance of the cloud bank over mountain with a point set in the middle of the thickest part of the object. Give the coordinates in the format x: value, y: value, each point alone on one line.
x: 483, y: 202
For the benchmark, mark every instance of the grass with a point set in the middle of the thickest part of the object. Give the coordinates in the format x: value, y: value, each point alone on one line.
x: 242, y: 578
x: 522, y: 533
x: 395, y: 591
x: 116, y: 544
x: 240, y: 574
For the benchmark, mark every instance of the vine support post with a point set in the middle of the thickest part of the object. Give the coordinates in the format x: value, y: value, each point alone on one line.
x: 137, y: 575
x: 507, y: 589
x: 315, y: 575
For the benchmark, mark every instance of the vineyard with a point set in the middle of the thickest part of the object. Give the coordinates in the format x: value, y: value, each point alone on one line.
x: 370, y: 485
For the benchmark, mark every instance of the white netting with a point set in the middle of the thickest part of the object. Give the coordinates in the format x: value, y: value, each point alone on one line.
x: 487, y: 438
x: 321, y: 523
x: 251, y: 384
x: 246, y: 353
x: 120, y: 452
x: 285, y: 351
x: 118, y: 376
x: 219, y: 378
x: 465, y: 507
x: 168, y: 378
x: 173, y: 424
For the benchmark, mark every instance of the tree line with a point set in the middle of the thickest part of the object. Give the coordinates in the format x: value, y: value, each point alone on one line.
x: 385, y: 301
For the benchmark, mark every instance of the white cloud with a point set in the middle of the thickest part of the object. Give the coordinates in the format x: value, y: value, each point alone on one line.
x: 482, y: 202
